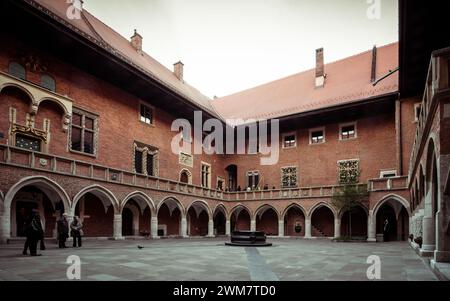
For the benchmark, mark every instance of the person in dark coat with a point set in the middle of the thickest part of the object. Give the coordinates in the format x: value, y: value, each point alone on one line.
x: 76, y: 231
x: 26, y: 227
x: 34, y: 233
x: 63, y: 231
x: 386, y: 230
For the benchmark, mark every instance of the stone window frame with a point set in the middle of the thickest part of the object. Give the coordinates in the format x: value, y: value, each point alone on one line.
x: 282, y: 175
x: 146, y: 150
x: 253, y: 174
x: 283, y: 136
x: 220, y: 179
x: 189, y: 174
x: 209, y: 173
x: 342, y: 125
x: 149, y: 106
x: 312, y: 130
x: 385, y: 172
x: 93, y: 116
x: 417, y: 111
x: 339, y: 173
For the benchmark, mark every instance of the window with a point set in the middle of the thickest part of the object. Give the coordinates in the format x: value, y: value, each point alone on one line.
x: 348, y: 171
x: 388, y: 173
x: 317, y: 136
x: 220, y: 184
x: 146, y: 114
x: 347, y: 131
x: 417, y: 109
x: 289, y: 140
x: 186, y: 176
x: 289, y: 177
x: 17, y: 70
x: 252, y: 179
x: 48, y: 83
x: 206, y: 175
x: 29, y: 143
x: 83, y: 132
x: 145, y: 159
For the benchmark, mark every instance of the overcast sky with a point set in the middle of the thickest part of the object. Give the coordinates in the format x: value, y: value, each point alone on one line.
x: 232, y: 45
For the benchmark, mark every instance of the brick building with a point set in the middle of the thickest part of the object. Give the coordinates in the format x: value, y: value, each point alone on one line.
x: 85, y: 128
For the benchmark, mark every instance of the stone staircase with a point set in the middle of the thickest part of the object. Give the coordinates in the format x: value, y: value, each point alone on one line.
x: 317, y: 232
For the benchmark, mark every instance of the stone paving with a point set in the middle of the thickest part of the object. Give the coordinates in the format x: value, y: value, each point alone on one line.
x: 210, y: 259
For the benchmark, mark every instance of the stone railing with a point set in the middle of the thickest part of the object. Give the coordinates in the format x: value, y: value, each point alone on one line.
x: 383, y: 184
x: 436, y: 84
x: 18, y: 157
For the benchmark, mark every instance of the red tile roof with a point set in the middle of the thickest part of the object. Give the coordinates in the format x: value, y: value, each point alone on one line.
x: 101, y: 33
x: 347, y: 81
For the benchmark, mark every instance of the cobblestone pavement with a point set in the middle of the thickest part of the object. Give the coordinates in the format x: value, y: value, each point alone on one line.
x: 210, y: 259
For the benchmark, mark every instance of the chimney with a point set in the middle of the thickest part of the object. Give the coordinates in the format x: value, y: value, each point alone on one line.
x: 136, y: 41
x: 320, y: 69
x: 178, y: 70
x: 373, y: 73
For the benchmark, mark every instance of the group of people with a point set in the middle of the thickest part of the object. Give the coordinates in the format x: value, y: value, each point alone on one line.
x: 34, y: 232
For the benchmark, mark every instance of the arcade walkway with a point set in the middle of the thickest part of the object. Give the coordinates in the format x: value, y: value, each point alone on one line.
x: 209, y: 259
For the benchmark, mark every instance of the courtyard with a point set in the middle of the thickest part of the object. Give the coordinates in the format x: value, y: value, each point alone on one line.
x: 210, y: 260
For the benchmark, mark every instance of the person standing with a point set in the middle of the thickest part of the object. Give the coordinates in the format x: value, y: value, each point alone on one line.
x: 76, y: 231
x: 386, y: 230
x: 34, y: 233
x: 63, y: 231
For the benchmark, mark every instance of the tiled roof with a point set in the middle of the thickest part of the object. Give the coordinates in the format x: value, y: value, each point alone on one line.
x: 103, y: 34
x: 347, y: 80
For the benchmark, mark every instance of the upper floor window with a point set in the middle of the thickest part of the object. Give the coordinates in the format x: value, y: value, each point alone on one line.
x: 48, y: 82
x: 252, y: 179
x: 417, y: 109
x: 145, y: 159
x: 206, y: 175
x: 388, y: 173
x: 29, y: 143
x: 347, y: 131
x: 289, y: 140
x: 348, y: 171
x: 146, y: 114
x: 317, y: 136
x: 83, y: 132
x: 289, y: 177
x: 17, y: 70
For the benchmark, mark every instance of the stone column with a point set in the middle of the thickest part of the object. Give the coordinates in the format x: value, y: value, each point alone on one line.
x: 228, y: 227
x: 428, y: 227
x: 308, y: 227
x: 371, y: 227
x: 442, y: 252
x: 184, y: 227
x: 5, y: 227
x: 337, y: 227
x: 118, y: 227
x: 281, y: 228
x: 210, y: 228
x: 253, y: 225
x: 154, y: 227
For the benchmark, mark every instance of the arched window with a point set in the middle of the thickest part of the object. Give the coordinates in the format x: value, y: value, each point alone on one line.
x: 48, y: 82
x: 186, y: 176
x: 17, y: 70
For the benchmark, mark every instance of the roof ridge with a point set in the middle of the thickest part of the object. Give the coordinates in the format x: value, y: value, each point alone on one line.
x: 303, y: 72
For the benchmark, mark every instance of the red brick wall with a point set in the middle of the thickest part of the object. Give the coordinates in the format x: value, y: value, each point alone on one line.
x: 242, y: 222
x: 293, y: 216
x: 358, y: 223
x: 268, y: 222
x: 172, y: 222
x: 323, y: 220
x: 98, y: 224
x: 198, y: 226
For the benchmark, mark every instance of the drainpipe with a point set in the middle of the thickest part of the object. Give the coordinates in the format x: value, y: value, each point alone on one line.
x: 398, y: 131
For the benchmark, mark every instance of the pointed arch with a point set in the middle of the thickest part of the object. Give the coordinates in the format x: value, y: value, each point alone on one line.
x: 219, y: 207
x: 99, y: 191
x: 262, y: 207
x: 319, y: 205
x: 203, y: 204
x: 40, y: 182
x: 20, y: 88
x: 293, y: 205
x: 142, y: 197
x: 243, y: 207
x: 389, y: 197
x: 172, y: 199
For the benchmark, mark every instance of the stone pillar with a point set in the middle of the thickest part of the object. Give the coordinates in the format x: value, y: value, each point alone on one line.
x: 308, y: 227
x: 210, y: 228
x: 281, y: 228
x: 442, y: 252
x: 5, y: 227
x: 154, y: 227
x: 228, y: 227
x: 429, y: 238
x: 253, y: 225
x: 337, y: 227
x: 184, y: 227
x: 117, y: 227
x: 371, y: 227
